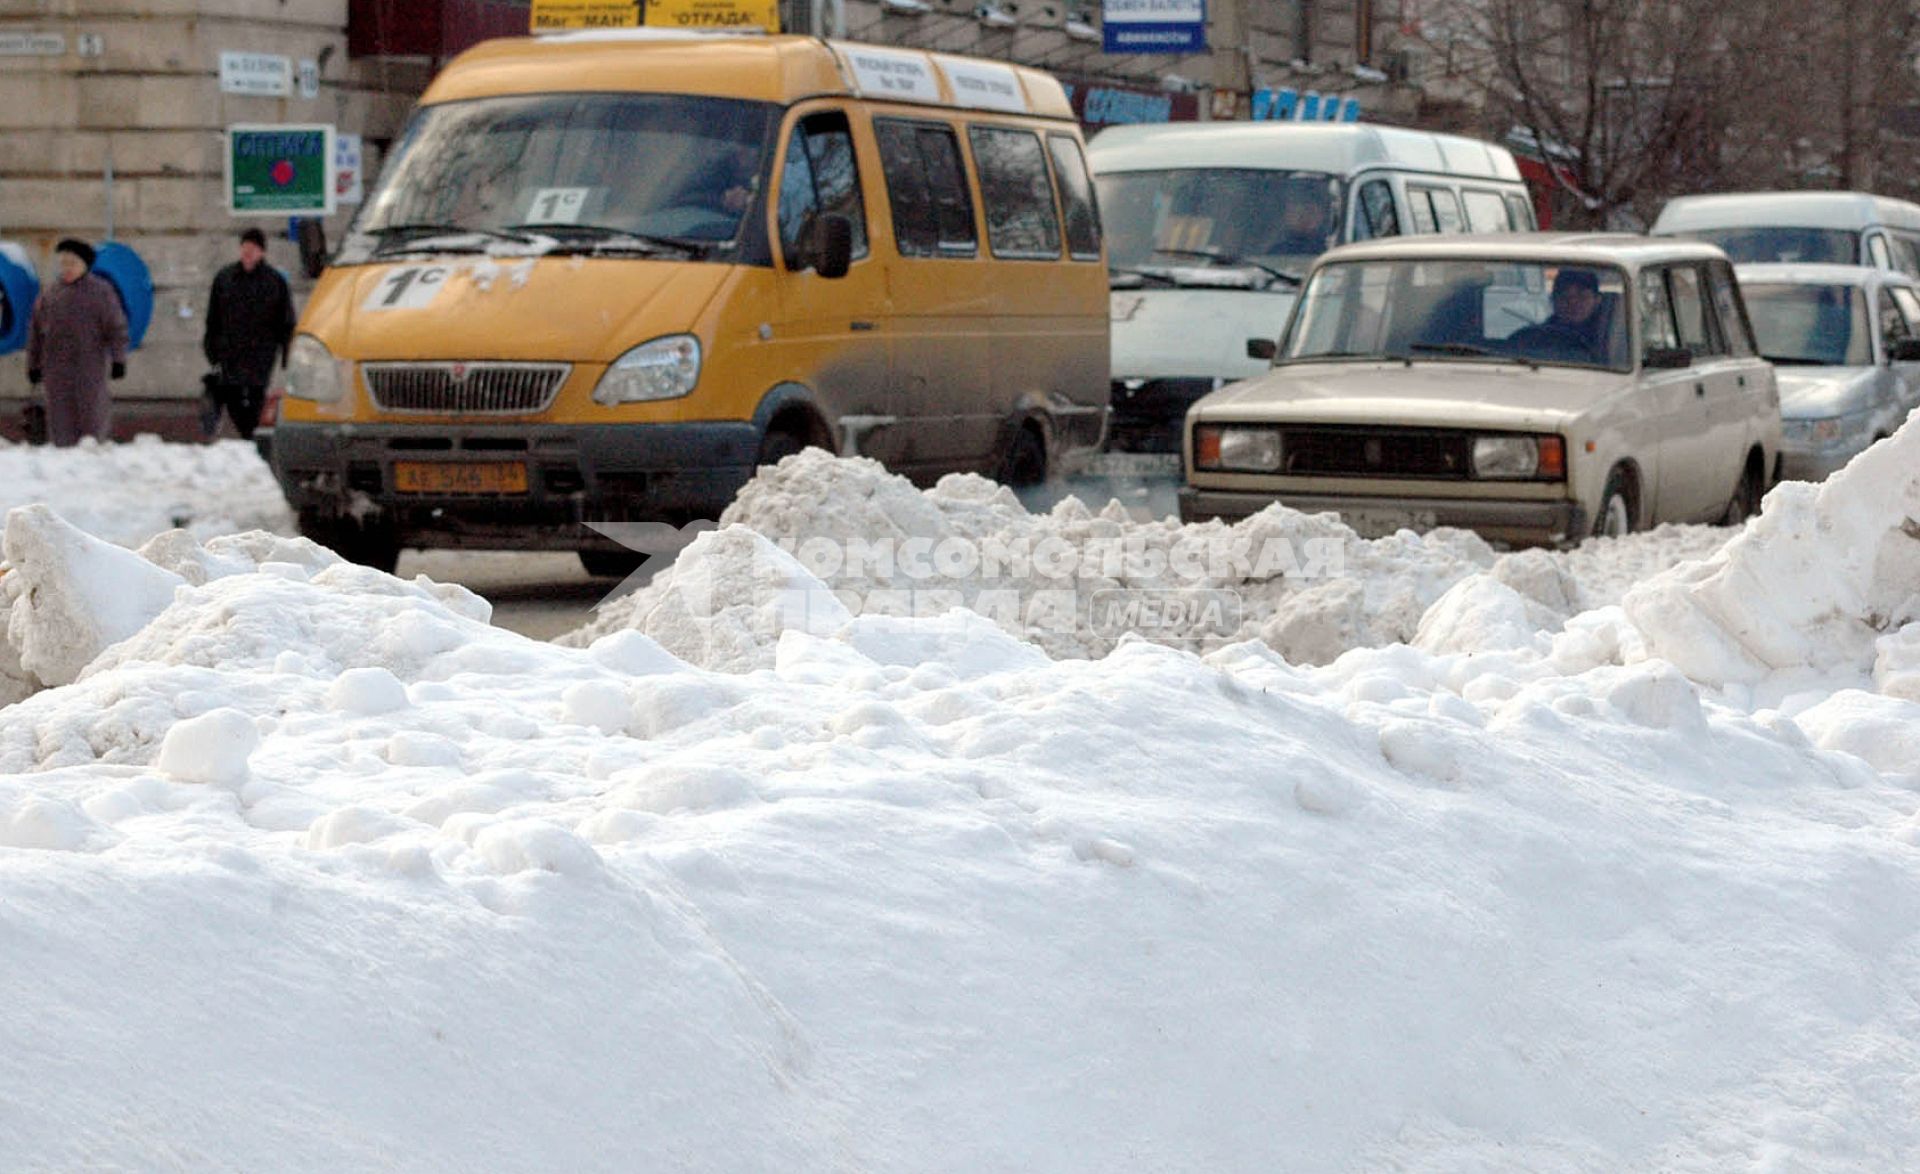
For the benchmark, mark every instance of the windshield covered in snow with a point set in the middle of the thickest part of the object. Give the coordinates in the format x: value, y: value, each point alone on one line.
x: 1749, y: 243
x: 648, y: 172
x: 1533, y: 312
x: 1270, y: 220
x: 1817, y: 325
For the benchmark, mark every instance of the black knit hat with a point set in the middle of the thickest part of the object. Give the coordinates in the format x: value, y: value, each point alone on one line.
x: 254, y: 236
x: 78, y: 248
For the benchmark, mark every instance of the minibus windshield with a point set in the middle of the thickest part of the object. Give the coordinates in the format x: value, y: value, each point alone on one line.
x: 1761, y: 244
x: 1444, y: 310
x: 1810, y: 325
x: 1269, y: 221
x: 635, y: 173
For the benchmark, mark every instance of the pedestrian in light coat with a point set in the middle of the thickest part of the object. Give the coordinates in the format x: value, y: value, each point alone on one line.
x: 250, y: 323
x: 75, y: 340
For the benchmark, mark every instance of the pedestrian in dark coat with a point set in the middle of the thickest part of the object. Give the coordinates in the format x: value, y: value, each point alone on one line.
x: 250, y: 322
x: 76, y: 338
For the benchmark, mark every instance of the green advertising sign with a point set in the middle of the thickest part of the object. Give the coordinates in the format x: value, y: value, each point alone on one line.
x: 280, y: 170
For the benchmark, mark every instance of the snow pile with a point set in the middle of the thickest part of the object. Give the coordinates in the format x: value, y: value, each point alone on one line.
x: 844, y: 536
x: 329, y: 873
x: 127, y: 493
x: 1811, y: 586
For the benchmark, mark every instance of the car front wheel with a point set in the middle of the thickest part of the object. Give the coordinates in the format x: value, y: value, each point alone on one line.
x: 1615, y: 515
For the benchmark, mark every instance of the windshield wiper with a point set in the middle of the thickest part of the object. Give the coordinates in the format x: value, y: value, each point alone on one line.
x: 1319, y: 355
x: 603, y: 238
x: 1222, y: 258
x: 1467, y: 350
x: 417, y: 232
x: 1797, y: 361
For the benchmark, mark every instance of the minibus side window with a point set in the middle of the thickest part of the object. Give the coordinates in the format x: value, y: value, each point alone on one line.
x: 926, y: 186
x: 1519, y: 214
x: 1076, y: 197
x: 1377, y: 216
x: 1486, y: 212
x: 1021, y: 223
x: 820, y: 178
x: 1422, y: 209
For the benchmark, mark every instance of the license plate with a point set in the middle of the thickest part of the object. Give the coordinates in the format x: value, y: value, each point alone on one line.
x: 1133, y: 464
x: 460, y: 476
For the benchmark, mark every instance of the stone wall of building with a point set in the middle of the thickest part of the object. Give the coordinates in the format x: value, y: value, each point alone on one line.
x: 147, y: 109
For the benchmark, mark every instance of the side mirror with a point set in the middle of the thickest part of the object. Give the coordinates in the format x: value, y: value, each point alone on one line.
x: 313, y: 247
x: 833, y: 246
x: 1904, y: 350
x: 1262, y: 348
x: 1666, y: 358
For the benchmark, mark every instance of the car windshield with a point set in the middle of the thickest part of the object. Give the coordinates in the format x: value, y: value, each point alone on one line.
x: 1751, y: 244
x: 1269, y: 220
x: 1450, y: 310
x: 650, y: 170
x: 1822, y: 325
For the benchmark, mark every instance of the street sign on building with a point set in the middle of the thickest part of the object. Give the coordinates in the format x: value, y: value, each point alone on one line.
x: 32, y: 44
x: 280, y: 170
x: 349, y: 177
x: 262, y: 75
x: 1154, y: 26
x: 1098, y: 103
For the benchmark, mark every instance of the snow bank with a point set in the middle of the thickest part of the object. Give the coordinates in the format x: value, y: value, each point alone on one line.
x: 127, y: 493
x: 1812, y: 584
x: 844, y: 536
x: 321, y: 871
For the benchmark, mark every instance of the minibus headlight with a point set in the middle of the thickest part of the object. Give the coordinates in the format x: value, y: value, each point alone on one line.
x: 666, y: 368
x: 312, y: 371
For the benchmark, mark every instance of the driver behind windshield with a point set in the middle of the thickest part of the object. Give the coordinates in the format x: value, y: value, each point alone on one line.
x: 1573, y: 331
x: 1305, y: 228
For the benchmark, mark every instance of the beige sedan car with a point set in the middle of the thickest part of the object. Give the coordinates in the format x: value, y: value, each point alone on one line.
x: 1536, y: 388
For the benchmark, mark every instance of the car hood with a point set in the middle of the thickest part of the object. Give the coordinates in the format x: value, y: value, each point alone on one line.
x: 560, y: 308
x: 1189, y: 333
x: 1814, y: 392
x: 1450, y: 393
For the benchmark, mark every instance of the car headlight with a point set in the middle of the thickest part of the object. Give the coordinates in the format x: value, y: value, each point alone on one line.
x: 1815, y: 430
x: 1523, y: 458
x: 1235, y: 447
x: 666, y: 368
x: 312, y: 371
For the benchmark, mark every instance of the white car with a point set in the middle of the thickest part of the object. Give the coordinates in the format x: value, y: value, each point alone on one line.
x: 1537, y: 388
x: 1845, y: 343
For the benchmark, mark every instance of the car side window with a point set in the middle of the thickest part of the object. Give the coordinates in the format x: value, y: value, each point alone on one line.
x: 1909, y: 304
x: 927, y: 188
x: 1734, y: 327
x: 1376, y: 216
x: 1420, y: 208
x: 1892, y: 324
x: 1520, y: 214
x: 820, y: 178
x: 1076, y: 197
x: 1486, y: 211
x: 1656, y: 312
x: 1021, y: 222
x: 1690, y: 312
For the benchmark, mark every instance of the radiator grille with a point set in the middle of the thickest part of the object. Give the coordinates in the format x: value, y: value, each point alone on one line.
x: 485, y: 389
x: 1376, y: 452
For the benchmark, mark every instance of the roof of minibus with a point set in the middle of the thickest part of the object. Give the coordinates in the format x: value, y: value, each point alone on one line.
x: 1557, y: 248
x: 1335, y: 148
x: 781, y: 69
x: 1843, y: 210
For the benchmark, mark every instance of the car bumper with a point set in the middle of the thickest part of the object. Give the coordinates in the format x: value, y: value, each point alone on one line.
x: 1520, y: 523
x: 574, y: 476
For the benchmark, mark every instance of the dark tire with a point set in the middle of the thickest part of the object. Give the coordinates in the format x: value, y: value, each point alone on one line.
x: 372, y: 545
x: 1024, y: 464
x: 1615, y: 516
x: 611, y: 564
x: 780, y: 444
x: 1746, y: 498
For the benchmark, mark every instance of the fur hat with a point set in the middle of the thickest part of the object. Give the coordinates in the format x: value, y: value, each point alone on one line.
x: 78, y: 248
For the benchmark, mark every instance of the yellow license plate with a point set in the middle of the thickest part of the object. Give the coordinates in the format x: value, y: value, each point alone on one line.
x: 460, y: 477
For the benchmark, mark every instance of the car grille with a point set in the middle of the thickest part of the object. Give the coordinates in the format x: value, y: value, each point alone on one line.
x: 489, y: 389
x: 1327, y: 451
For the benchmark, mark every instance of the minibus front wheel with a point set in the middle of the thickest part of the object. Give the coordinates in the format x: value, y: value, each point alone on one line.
x: 792, y: 430
x: 371, y: 544
x: 1024, y: 464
